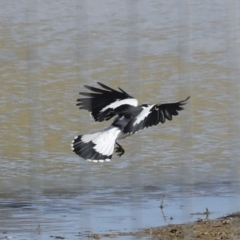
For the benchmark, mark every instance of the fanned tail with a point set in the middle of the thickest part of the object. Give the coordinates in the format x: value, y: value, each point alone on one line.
x: 96, y: 147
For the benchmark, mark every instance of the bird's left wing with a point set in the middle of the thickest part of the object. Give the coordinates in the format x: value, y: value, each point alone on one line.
x: 106, y: 102
x: 152, y: 115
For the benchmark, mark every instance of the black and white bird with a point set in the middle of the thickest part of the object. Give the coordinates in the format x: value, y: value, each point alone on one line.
x: 105, y: 103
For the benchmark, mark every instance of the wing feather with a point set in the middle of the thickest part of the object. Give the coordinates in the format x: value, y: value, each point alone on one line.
x: 153, y: 114
x: 101, y: 103
x: 94, y: 89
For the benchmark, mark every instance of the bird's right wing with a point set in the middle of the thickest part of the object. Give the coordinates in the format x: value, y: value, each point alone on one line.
x: 152, y: 115
x: 105, y: 103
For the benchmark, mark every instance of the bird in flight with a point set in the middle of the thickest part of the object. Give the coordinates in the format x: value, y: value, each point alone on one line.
x: 103, y: 104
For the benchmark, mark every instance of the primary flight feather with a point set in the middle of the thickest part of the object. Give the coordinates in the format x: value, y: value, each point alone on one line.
x: 103, y: 104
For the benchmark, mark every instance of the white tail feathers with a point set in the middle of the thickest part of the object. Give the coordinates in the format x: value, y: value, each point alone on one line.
x: 96, y: 147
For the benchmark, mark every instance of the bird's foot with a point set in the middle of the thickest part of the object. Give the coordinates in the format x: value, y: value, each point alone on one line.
x: 119, y: 150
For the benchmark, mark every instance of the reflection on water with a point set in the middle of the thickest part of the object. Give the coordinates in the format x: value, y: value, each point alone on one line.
x: 158, y: 52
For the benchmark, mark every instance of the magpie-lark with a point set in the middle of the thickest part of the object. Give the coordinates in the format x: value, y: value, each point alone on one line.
x: 105, y: 103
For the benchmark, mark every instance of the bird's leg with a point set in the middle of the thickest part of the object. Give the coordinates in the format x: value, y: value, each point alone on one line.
x: 119, y: 150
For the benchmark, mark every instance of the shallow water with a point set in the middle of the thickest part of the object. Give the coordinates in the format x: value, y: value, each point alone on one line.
x: 77, y: 215
x: 157, y: 52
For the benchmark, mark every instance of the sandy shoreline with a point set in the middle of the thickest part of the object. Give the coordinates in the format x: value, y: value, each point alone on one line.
x: 223, y: 228
x: 219, y: 229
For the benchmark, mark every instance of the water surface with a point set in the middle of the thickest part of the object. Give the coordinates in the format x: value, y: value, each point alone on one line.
x: 156, y: 51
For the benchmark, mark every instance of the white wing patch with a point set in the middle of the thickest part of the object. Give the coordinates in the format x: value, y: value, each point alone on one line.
x: 144, y: 113
x: 129, y: 101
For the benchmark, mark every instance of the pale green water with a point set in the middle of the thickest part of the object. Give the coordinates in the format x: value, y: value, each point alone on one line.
x: 156, y: 51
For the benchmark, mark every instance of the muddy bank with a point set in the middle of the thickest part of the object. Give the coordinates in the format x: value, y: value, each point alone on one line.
x: 219, y: 229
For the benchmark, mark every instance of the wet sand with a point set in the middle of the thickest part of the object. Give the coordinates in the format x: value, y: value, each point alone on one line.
x: 222, y: 228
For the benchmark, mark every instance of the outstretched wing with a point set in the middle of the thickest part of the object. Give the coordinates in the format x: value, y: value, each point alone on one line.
x: 152, y: 115
x: 105, y: 103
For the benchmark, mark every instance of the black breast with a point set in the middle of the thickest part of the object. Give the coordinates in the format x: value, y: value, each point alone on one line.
x: 125, y: 116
